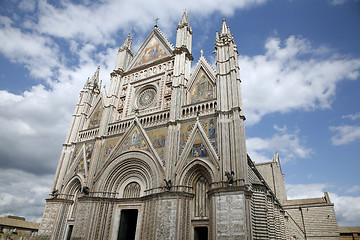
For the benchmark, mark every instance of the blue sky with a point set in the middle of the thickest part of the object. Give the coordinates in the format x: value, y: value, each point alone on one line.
x: 300, y: 71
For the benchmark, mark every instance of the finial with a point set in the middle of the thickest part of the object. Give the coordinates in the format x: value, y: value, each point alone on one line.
x: 156, y: 22
x: 224, y: 28
x: 202, y: 53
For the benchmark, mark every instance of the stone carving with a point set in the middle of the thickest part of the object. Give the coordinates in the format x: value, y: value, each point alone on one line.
x: 230, y: 177
x: 168, y: 184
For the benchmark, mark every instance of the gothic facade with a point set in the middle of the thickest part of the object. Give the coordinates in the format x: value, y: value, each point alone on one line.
x: 162, y: 154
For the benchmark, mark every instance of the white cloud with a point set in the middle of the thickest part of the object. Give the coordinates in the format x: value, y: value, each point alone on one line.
x: 97, y: 22
x: 27, y: 5
x: 352, y: 116
x: 287, y: 144
x: 292, y: 76
x: 23, y: 194
x: 354, y: 189
x: 347, y: 208
x: 344, y: 134
x: 300, y: 191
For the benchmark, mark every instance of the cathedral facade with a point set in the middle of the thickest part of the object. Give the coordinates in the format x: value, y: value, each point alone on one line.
x: 162, y: 155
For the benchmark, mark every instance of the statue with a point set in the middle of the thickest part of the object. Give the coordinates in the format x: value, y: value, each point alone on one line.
x: 168, y: 184
x: 230, y: 177
x: 86, y: 190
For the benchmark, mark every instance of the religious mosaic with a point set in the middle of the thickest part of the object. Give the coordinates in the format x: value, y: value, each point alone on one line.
x: 209, y: 126
x: 135, y: 140
x: 198, y: 150
x: 202, y: 88
x: 152, y: 52
x: 76, y: 153
x: 158, y: 138
x: 186, y: 131
x: 96, y: 116
x: 81, y: 167
x: 109, y: 146
x: 89, y: 150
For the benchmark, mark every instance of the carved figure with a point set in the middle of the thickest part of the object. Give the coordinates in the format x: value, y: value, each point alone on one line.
x: 168, y: 184
x: 230, y: 177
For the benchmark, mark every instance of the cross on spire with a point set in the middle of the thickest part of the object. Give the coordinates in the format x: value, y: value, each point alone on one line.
x: 156, y: 22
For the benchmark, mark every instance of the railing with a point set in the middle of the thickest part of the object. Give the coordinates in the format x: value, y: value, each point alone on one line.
x: 88, y: 134
x: 146, y: 121
x: 202, y: 107
x: 155, y: 119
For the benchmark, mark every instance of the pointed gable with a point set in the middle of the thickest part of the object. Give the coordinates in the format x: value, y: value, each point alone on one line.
x: 202, y: 83
x: 133, y: 140
x: 198, y: 146
x: 96, y: 115
x: 155, y: 47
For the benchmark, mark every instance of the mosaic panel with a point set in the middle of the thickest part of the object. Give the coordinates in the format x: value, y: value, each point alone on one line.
x: 81, y: 167
x: 198, y: 150
x: 186, y: 129
x: 89, y: 150
x: 209, y: 126
x: 132, y: 190
x: 158, y: 138
x: 109, y: 146
x: 202, y: 88
x: 134, y: 141
x: 152, y: 52
x: 96, y: 116
x: 76, y: 153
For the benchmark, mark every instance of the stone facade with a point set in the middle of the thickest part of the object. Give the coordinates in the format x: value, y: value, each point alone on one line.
x: 162, y: 153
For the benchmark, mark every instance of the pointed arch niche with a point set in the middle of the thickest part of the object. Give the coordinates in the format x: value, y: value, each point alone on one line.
x: 201, y: 202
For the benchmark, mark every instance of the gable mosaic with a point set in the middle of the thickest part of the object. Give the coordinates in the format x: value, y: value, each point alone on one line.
x: 153, y: 51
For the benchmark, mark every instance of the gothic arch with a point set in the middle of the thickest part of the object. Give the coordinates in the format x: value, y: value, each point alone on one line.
x: 196, y: 167
x: 137, y: 166
x: 75, y: 183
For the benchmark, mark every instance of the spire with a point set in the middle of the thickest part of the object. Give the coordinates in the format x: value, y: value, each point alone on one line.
x: 127, y: 44
x: 95, y: 79
x: 185, y: 18
x: 224, y: 28
x: 125, y: 53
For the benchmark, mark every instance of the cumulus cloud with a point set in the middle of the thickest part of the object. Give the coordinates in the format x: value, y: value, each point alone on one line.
x: 344, y: 134
x: 23, y: 194
x: 288, y: 144
x: 347, y: 208
x: 97, y: 22
x: 292, y: 75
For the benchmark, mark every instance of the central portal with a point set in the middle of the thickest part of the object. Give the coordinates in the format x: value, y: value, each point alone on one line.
x: 201, y: 233
x: 127, y: 227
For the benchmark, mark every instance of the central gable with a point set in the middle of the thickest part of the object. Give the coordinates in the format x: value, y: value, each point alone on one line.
x: 155, y: 47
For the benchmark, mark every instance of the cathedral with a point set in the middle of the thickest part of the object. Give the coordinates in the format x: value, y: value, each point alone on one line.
x: 162, y: 155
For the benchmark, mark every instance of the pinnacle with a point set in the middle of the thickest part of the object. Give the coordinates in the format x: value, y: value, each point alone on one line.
x: 224, y: 28
x: 185, y: 18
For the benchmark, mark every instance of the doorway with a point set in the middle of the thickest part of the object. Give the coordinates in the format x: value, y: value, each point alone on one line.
x: 127, y: 227
x: 201, y: 233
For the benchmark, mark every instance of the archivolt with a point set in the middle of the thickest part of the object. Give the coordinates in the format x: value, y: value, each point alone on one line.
x: 136, y: 165
x: 75, y: 183
x: 195, y: 168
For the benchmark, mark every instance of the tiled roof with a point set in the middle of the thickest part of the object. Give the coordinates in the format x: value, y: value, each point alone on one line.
x: 18, y: 223
x: 349, y: 229
x: 304, y: 201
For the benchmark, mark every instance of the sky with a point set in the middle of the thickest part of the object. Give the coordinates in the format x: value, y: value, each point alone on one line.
x: 299, y: 65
